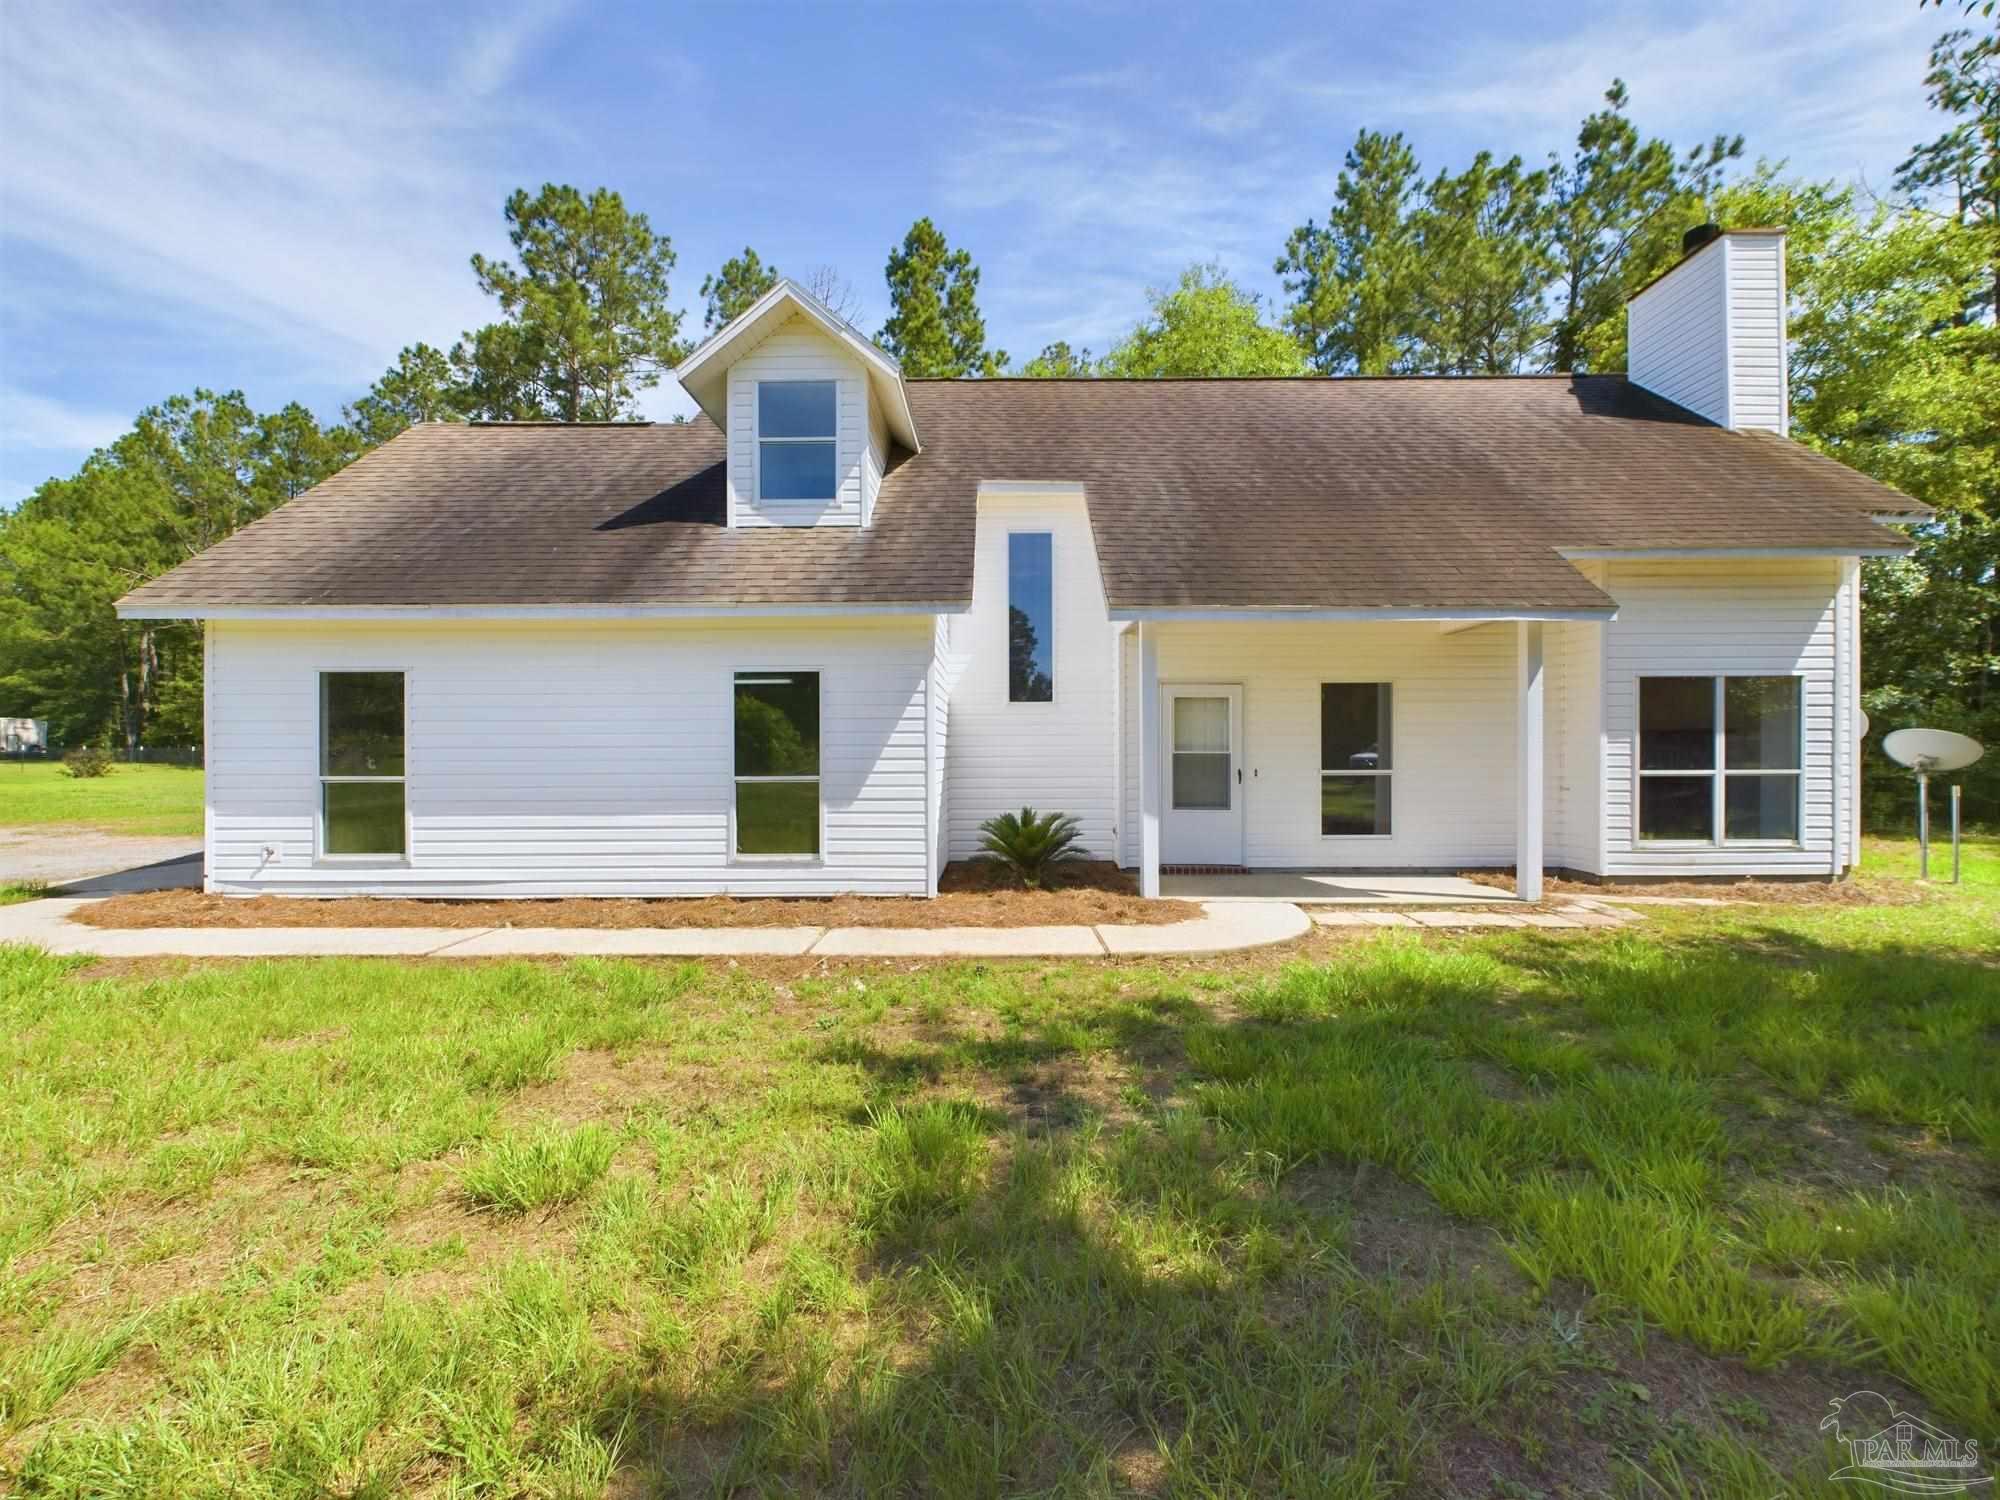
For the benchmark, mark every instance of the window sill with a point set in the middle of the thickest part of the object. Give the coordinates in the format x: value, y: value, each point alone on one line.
x: 1726, y: 844
x: 766, y: 861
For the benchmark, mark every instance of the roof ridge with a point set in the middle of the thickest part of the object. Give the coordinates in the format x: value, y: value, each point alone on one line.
x: 1107, y: 380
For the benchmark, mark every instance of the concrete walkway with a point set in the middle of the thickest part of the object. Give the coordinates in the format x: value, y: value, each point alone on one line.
x: 1223, y: 927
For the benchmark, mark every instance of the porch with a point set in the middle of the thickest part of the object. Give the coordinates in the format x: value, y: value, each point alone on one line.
x: 1331, y: 888
x: 1341, y: 761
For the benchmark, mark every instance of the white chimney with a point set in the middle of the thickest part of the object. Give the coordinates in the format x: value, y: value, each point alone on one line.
x: 1710, y: 333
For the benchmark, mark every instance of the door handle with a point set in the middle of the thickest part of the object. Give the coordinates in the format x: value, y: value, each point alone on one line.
x: 1239, y: 776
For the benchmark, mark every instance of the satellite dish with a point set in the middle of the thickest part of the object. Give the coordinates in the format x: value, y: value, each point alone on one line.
x: 1862, y: 732
x: 1931, y: 750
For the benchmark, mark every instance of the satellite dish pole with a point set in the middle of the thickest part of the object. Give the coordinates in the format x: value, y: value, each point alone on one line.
x: 1925, y: 751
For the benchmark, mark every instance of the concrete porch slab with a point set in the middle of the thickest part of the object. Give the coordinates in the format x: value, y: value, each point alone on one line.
x: 1337, y: 889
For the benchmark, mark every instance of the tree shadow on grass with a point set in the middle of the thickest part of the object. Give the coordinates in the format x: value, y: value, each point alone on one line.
x: 1178, y: 1303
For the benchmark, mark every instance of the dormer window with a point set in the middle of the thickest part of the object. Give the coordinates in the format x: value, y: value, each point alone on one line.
x: 795, y: 440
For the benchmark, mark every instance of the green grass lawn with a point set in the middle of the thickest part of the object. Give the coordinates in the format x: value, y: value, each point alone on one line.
x: 1504, y: 1213
x: 163, y: 800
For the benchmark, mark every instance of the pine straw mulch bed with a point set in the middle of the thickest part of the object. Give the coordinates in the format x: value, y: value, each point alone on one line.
x: 1848, y: 892
x: 975, y: 894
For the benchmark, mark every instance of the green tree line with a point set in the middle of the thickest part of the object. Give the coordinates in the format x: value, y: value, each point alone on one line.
x: 1496, y: 267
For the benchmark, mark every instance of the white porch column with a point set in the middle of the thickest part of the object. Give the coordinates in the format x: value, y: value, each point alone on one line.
x: 1149, y: 760
x: 1528, y: 763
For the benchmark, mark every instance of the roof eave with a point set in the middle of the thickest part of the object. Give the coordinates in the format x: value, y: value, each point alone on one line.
x: 1720, y: 554
x: 1309, y: 613
x: 354, y: 613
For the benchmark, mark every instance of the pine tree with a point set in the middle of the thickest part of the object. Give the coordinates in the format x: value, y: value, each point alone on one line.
x: 1352, y: 280
x: 934, y: 328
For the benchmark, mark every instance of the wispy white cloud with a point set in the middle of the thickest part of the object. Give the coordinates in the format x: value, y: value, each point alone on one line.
x: 235, y: 173
x: 1108, y: 194
x: 495, y: 50
x: 38, y: 423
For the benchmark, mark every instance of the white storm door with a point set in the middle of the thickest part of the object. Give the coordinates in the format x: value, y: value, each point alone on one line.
x: 1202, y: 740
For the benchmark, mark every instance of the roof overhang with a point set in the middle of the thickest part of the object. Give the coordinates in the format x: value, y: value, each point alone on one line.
x: 1265, y: 614
x: 1719, y: 554
x: 704, y: 374
x: 360, y: 613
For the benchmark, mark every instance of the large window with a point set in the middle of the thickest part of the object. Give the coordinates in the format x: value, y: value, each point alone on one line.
x: 1030, y: 617
x: 361, y: 763
x: 1354, y: 758
x: 777, y: 763
x: 1719, y: 759
x: 795, y: 440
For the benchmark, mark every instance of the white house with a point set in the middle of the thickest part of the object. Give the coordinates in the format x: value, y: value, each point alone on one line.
x: 805, y: 643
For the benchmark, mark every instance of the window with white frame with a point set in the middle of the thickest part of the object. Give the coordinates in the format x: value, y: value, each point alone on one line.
x: 777, y: 764
x: 1355, y: 762
x: 795, y: 440
x: 361, y: 764
x: 1720, y: 759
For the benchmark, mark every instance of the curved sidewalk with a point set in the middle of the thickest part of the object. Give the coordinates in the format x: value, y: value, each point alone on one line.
x: 1223, y: 927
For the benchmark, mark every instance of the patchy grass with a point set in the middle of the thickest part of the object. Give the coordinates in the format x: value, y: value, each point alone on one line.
x: 1894, y: 860
x: 22, y: 890
x: 1495, y: 1214
x: 133, y: 799
x: 543, y: 1170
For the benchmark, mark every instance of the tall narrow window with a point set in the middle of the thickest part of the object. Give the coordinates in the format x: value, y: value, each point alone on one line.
x: 777, y: 763
x: 1030, y: 617
x: 795, y: 440
x: 1719, y: 759
x: 361, y: 768
x: 1355, y: 761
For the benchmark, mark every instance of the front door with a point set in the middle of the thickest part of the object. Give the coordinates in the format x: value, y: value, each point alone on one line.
x: 1202, y: 822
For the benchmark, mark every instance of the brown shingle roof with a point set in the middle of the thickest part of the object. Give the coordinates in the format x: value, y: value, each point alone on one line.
x: 1222, y: 493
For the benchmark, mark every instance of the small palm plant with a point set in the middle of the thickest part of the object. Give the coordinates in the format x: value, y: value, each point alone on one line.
x: 1029, y: 842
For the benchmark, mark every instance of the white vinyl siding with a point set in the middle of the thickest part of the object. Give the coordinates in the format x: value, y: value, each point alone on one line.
x: 1573, y: 745
x: 1757, y: 396
x: 1677, y: 341
x: 797, y: 351
x: 1710, y: 334
x: 1847, y: 748
x: 1454, y: 736
x: 1055, y: 756
x: 943, y: 678
x: 572, y: 759
x: 1699, y: 619
x: 874, y: 461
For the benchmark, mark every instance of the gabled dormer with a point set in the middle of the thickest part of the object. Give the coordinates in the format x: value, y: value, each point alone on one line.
x: 810, y: 408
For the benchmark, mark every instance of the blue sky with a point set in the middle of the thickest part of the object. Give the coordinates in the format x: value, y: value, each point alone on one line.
x: 202, y: 195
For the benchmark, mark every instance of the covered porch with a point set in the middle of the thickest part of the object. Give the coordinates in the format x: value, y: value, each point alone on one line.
x: 1330, y: 888
x: 1349, y: 758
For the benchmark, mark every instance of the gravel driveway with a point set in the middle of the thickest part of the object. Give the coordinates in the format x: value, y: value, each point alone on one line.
x: 109, y: 861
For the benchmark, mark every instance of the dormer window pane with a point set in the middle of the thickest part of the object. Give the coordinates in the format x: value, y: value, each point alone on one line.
x: 795, y: 440
x: 795, y: 409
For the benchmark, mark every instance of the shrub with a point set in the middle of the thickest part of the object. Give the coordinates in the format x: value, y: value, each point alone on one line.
x: 87, y: 763
x: 1029, y: 842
